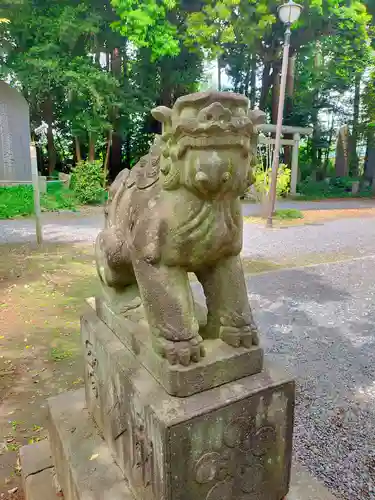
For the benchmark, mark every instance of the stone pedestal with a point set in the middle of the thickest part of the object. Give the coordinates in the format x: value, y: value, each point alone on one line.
x: 124, y: 437
x: 229, y: 442
x: 128, y: 437
x: 88, y: 471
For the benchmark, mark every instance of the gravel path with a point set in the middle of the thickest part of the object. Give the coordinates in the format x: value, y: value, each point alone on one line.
x: 319, y: 323
x: 354, y: 237
x: 56, y: 227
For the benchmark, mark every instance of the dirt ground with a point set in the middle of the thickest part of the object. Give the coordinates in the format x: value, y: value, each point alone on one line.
x: 42, y: 294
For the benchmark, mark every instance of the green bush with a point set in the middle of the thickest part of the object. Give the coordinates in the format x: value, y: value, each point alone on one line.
x: 263, y: 177
x: 310, y: 187
x: 88, y: 182
x: 337, y: 187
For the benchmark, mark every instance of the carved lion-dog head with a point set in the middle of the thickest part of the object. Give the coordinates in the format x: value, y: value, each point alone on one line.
x: 208, y: 143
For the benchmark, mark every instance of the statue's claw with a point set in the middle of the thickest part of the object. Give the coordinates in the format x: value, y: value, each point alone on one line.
x: 245, y: 336
x: 182, y: 352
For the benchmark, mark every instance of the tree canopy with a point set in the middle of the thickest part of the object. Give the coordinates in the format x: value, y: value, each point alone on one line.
x: 92, y: 69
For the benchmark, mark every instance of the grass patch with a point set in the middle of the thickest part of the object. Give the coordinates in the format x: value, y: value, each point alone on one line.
x: 18, y: 201
x: 58, y: 354
x: 288, y: 213
x: 251, y: 266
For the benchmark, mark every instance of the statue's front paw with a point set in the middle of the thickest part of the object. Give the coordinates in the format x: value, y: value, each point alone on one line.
x: 183, y: 352
x: 246, y: 336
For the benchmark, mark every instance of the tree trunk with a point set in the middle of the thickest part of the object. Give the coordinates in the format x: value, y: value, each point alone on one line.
x: 369, y: 171
x: 330, y: 139
x: 91, y: 146
x: 219, y: 74
x: 266, y: 85
x: 48, y: 116
x: 253, y: 74
x: 115, y: 157
x: 106, y: 160
x: 246, y: 81
x: 354, y: 161
x: 77, y: 145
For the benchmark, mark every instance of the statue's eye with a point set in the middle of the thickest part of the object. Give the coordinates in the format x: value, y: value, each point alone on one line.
x: 239, y: 112
x: 188, y: 113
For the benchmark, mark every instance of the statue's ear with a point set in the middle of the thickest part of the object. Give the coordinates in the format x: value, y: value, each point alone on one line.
x: 164, y: 115
x: 257, y: 117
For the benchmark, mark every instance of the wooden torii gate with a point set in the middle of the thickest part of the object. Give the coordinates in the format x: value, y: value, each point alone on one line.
x: 297, y: 132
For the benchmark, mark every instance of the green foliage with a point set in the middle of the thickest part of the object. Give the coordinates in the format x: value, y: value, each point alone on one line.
x: 288, y: 213
x: 62, y: 199
x: 337, y: 187
x: 93, y: 69
x: 262, y: 180
x: 17, y: 201
x: 145, y: 24
x: 88, y: 181
x: 54, y: 186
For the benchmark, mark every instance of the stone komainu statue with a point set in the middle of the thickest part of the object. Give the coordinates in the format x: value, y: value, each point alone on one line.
x: 178, y: 211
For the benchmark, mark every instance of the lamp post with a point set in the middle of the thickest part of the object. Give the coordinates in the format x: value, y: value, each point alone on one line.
x: 289, y: 13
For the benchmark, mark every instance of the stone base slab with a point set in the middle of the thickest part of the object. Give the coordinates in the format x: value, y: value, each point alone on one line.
x: 233, y: 441
x: 38, y: 473
x: 85, y: 468
x: 222, y: 363
x: 78, y: 459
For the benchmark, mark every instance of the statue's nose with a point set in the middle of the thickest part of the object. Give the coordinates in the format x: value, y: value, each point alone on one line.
x: 215, y: 112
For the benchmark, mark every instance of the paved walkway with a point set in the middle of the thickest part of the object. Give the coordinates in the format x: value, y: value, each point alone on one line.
x: 319, y: 323
x: 254, y: 209
x: 352, y: 237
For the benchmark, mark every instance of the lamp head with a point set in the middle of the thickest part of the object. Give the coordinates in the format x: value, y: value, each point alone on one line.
x: 289, y: 12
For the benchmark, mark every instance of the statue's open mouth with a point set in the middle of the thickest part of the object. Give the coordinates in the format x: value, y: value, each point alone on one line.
x: 218, y: 141
x: 212, y: 136
x: 215, y: 142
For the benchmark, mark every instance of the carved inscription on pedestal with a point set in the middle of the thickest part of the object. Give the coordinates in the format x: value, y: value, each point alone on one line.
x: 240, y: 465
x: 91, y: 367
x: 142, y: 455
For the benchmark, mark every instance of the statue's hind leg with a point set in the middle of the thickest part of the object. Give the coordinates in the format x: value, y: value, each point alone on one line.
x: 115, y: 271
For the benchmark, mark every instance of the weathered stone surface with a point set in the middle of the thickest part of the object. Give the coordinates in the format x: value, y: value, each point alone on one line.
x: 221, y: 364
x: 40, y: 486
x: 38, y: 473
x: 35, y: 458
x: 84, y: 466
x: 178, y: 211
x: 233, y: 441
x: 15, y: 161
x: 303, y: 486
